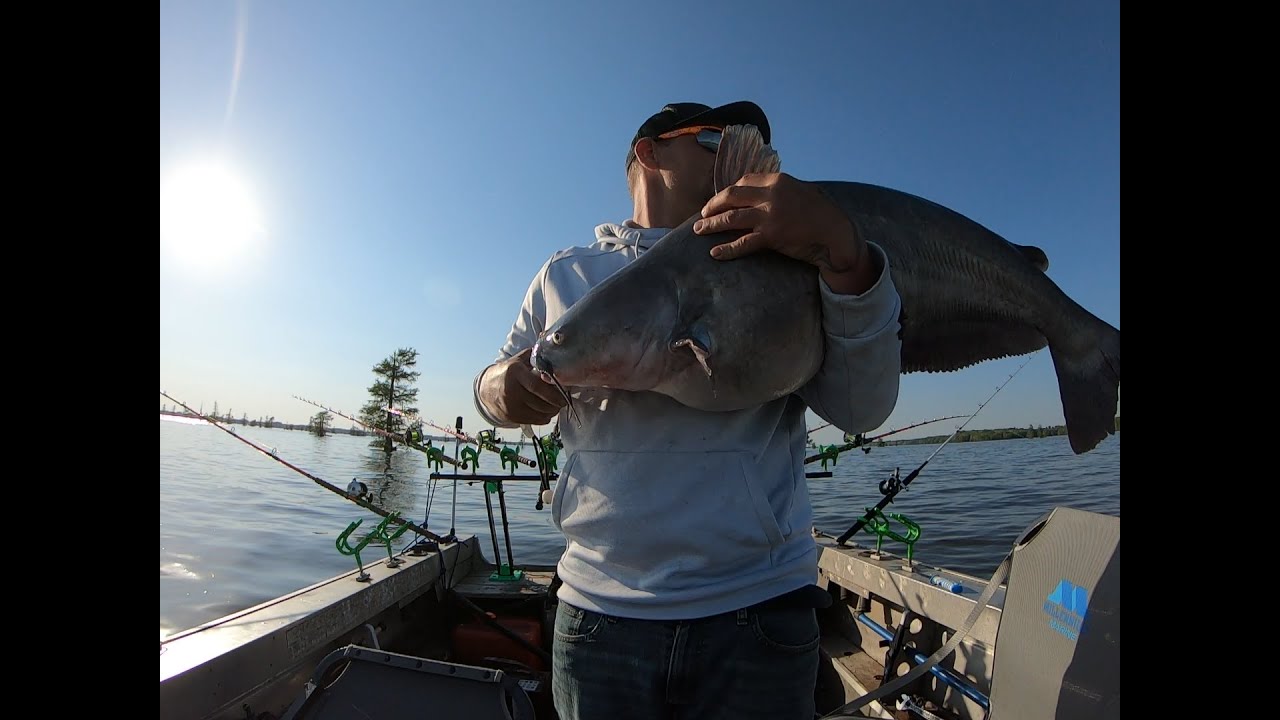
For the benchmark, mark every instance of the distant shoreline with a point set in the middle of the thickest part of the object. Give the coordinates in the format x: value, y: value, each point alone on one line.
x: 329, y: 430
x: 1010, y: 433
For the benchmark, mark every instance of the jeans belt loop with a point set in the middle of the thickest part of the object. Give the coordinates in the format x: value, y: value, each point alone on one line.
x: 742, y: 617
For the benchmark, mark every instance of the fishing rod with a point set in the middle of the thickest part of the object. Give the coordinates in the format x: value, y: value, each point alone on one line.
x: 833, y: 450
x: 326, y: 485
x: 826, y: 424
x: 506, y: 571
x: 481, y: 443
x: 547, y: 449
x: 453, y: 517
x: 432, y: 453
x: 895, y: 484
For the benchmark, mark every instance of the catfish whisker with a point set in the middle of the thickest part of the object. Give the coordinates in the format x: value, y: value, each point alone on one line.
x: 573, y: 412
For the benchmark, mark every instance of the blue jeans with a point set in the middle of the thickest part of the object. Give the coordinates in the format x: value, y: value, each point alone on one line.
x: 752, y: 663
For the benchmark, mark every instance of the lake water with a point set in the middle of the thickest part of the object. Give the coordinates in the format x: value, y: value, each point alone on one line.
x: 238, y: 528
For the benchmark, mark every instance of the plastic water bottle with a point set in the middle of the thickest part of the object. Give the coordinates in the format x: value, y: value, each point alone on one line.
x: 945, y: 584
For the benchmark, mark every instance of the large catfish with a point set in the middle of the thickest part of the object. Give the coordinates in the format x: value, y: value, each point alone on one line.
x: 720, y: 336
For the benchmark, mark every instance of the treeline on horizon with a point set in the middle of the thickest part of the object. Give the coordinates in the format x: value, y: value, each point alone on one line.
x: 271, y: 422
x: 1010, y: 433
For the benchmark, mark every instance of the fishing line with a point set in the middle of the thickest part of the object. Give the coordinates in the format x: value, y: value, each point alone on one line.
x: 322, y: 483
x: 432, y: 484
x: 833, y: 451
x: 403, y: 440
x: 894, y: 485
x: 483, y: 444
x: 431, y: 494
x: 432, y: 454
x: 823, y: 425
x: 457, y: 443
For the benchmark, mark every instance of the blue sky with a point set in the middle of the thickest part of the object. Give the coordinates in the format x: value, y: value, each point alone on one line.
x: 410, y: 165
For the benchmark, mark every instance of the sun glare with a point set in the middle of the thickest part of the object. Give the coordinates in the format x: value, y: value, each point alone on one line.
x: 207, y: 216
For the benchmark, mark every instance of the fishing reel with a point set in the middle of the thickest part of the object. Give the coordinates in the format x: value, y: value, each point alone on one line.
x: 414, y: 436
x: 357, y: 489
x: 893, y: 485
x: 547, y: 450
x: 859, y: 441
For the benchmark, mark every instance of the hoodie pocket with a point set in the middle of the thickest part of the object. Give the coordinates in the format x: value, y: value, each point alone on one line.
x: 667, y: 520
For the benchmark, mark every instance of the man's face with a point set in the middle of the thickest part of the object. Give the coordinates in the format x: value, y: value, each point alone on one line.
x: 689, y: 157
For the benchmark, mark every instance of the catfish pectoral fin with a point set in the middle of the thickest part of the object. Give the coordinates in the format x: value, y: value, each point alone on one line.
x: 700, y: 352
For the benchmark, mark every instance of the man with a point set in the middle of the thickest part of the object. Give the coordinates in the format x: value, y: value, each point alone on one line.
x: 689, y: 568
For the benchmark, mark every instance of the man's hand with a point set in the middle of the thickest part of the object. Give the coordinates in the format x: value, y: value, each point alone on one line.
x: 794, y: 218
x: 515, y: 392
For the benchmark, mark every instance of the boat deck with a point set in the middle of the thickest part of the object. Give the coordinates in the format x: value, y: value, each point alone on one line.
x: 260, y: 656
x: 859, y: 671
x: 483, y: 582
x: 875, y: 593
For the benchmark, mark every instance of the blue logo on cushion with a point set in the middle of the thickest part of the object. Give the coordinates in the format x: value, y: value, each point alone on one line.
x: 1066, y: 607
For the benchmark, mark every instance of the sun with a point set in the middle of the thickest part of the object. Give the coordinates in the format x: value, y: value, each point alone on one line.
x: 208, y: 218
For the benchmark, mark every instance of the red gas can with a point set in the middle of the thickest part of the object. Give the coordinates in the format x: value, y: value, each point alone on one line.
x: 473, y: 642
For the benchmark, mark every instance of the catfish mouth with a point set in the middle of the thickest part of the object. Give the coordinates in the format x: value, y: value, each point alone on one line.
x: 538, y: 359
x: 543, y: 366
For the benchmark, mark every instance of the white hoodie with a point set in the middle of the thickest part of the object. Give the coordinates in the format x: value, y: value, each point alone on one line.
x: 673, y: 513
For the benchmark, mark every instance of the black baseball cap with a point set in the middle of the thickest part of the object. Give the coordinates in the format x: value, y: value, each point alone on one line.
x: 686, y: 114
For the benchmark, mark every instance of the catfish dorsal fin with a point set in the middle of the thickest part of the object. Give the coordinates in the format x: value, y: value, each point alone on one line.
x: 743, y: 151
x: 1034, y: 255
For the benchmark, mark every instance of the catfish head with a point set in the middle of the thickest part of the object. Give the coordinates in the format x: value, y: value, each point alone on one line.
x: 616, y: 336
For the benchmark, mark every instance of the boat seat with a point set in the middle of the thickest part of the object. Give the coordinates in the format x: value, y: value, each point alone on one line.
x: 364, y: 683
x: 1057, y: 647
x: 1057, y: 651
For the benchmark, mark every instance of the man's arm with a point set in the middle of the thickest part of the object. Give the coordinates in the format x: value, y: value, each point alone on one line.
x: 508, y: 381
x: 857, y: 386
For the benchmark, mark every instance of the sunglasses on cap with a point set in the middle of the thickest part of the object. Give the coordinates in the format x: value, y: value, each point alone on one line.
x: 708, y: 136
